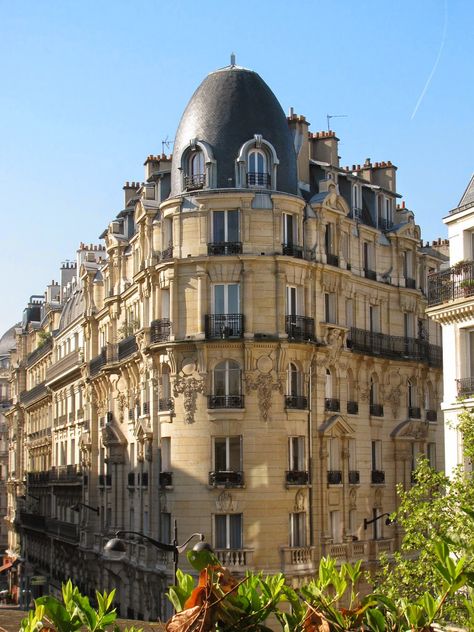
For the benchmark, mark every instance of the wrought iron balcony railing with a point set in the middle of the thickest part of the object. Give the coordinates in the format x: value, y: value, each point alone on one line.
x: 292, y: 250
x: 354, y: 477
x: 370, y: 274
x: 297, y: 477
x: 98, y: 362
x: 160, y: 330
x: 226, y: 478
x: 224, y: 326
x: 465, y: 387
x: 167, y: 254
x: 431, y: 415
x: 40, y: 351
x: 414, y: 412
x: 225, y: 401
x: 299, y: 327
x: 377, y: 477
x: 297, y: 402
x: 410, y: 283
x: 166, y: 479
x: 332, y: 260
x: 352, y: 408
x: 195, y: 181
x: 397, y: 347
x: 384, y: 223
x: 332, y: 404
x: 225, y: 248
x: 165, y: 404
x: 376, y: 410
x: 258, y: 179
x: 334, y: 477
x: 449, y: 285
x: 127, y: 347
x: 34, y: 394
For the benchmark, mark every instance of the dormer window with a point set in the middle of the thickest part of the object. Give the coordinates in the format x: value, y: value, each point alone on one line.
x: 257, y: 169
x: 196, y: 173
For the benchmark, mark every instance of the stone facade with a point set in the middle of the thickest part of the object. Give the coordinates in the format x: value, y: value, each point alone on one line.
x: 252, y: 362
x: 451, y: 304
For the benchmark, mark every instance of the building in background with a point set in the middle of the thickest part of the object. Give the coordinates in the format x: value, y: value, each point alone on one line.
x: 248, y: 356
x: 451, y: 304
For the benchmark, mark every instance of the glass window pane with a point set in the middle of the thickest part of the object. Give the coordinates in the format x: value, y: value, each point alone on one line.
x: 234, y: 382
x: 232, y: 225
x: 235, y: 531
x: 233, y: 299
x: 218, y: 228
x: 252, y: 165
x: 220, y: 461
x: 260, y: 163
x: 219, y: 299
x: 220, y: 531
x: 234, y: 454
x: 219, y: 382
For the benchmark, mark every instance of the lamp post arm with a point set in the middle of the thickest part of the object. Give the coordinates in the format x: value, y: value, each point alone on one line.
x: 367, y: 522
x: 159, y: 545
x: 96, y: 509
x: 182, y: 547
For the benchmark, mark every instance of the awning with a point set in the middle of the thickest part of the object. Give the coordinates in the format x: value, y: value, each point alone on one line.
x: 6, y: 566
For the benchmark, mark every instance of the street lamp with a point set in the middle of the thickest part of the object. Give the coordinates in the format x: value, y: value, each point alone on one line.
x: 388, y: 520
x: 77, y: 507
x: 118, y: 546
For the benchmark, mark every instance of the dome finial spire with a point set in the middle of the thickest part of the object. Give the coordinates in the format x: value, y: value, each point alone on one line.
x: 232, y: 59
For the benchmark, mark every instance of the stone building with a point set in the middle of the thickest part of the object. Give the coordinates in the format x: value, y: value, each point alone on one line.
x: 451, y: 304
x: 249, y: 357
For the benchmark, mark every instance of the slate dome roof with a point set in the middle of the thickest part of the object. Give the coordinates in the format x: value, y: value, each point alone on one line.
x: 73, y: 308
x: 229, y: 107
x: 7, y: 341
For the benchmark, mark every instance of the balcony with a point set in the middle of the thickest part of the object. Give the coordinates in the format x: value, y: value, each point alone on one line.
x: 258, y: 179
x: 235, y: 559
x: 414, y: 412
x: 34, y: 394
x: 370, y: 274
x: 291, y: 250
x: 66, y: 474
x: 377, y: 477
x: 354, y: 477
x: 384, y: 223
x: 166, y: 479
x: 34, y: 521
x: 131, y: 479
x: 297, y: 477
x: 452, y: 284
x: 224, y: 326
x: 63, y: 530
x: 127, y: 347
x: 376, y: 410
x: 299, y: 327
x: 410, y: 283
x: 39, y: 352
x: 160, y: 330
x: 225, y: 401
x: 334, y: 477
x: 64, y: 365
x: 167, y: 254
x: 431, y: 415
x: 296, y: 402
x: 193, y: 182
x: 332, y: 405
x: 165, y: 405
x: 297, y: 558
x: 332, y: 260
x: 226, y: 479
x: 396, y: 347
x: 224, y: 248
x: 352, y: 408
x: 98, y: 362
x: 465, y: 387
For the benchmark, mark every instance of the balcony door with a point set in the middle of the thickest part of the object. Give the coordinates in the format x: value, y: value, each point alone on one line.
x: 225, y: 226
x: 227, y: 299
x: 228, y: 531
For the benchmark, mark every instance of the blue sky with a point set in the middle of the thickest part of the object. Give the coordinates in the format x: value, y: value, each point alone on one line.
x: 90, y: 88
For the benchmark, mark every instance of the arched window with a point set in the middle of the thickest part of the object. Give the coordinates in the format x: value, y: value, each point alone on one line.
x: 195, y: 178
x: 257, y: 169
x: 226, y: 386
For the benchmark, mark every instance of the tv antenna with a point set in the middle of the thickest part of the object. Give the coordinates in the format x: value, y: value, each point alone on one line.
x: 166, y: 143
x: 331, y: 116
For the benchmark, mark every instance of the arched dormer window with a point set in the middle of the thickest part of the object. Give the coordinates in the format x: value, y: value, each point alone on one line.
x: 256, y: 165
x: 198, y: 166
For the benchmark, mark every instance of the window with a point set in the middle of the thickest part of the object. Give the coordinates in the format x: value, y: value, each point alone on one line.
x: 374, y: 319
x: 376, y: 455
x: 297, y: 529
x: 349, y: 313
x: 196, y: 176
x: 334, y: 456
x: 369, y: 261
x: 296, y: 454
x: 165, y: 527
x: 408, y: 325
x: 166, y: 454
x: 335, y: 526
x: 330, y: 307
x: 376, y: 525
x: 329, y: 242
x: 257, y: 171
x: 226, y: 385
x: 353, y: 522
x: 292, y: 302
x: 357, y: 201
x: 228, y: 531
x: 228, y: 454
x: 226, y: 298
x: 431, y: 454
x: 225, y: 226
x: 289, y: 229
x: 294, y: 379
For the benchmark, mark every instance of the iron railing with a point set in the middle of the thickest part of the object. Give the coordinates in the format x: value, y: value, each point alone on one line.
x: 165, y: 404
x: 160, y: 330
x: 224, y: 326
x: 431, y: 415
x: 127, y: 347
x: 40, y: 351
x: 299, y: 327
x: 352, y: 408
x: 334, y: 477
x: 414, y: 412
x: 354, y: 477
x: 167, y: 254
x: 225, y: 248
x: 225, y: 401
x: 297, y: 402
x: 166, y: 479
x: 377, y: 477
x: 98, y: 362
x: 297, y: 477
x: 410, y: 283
x: 256, y: 178
x: 332, y: 404
x: 370, y: 274
x: 291, y: 250
x: 397, y: 347
x: 226, y: 478
x: 449, y: 285
x: 37, y: 392
x: 376, y: 410
x: 195, y: 181
x: 465, y: 386
x: 332, y: 260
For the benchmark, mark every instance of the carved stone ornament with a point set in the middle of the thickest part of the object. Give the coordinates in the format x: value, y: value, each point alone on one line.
x: 335, y: 338
x: 189, y: 387
x: 85, y: 449
x: 299, y: 501
x: 364, y: 393
x: 393, y: 399
x: 353, y: 499
x: 122, y: 400
x: 225, y: 502
x: 415, y: 429
x: 264, y: 385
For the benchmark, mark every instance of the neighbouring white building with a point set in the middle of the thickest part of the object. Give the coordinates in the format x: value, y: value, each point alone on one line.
x: 451, y: 303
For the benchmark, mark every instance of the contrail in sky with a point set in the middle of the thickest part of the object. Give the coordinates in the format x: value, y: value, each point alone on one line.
x: 435, y: 65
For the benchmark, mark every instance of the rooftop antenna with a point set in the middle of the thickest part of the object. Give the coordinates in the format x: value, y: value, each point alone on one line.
x: 330, y: 116
x: 232, y: 59
x: 166, y: 143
